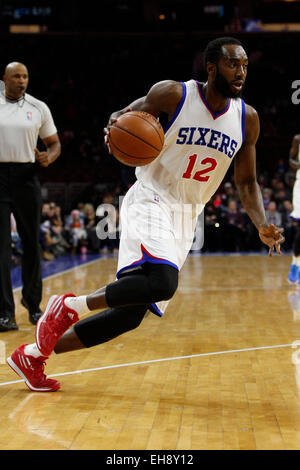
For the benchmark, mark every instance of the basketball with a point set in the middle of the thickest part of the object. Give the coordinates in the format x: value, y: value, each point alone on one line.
x: 136, y: 138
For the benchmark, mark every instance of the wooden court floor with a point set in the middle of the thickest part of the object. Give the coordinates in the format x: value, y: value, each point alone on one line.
x: 220, y: 370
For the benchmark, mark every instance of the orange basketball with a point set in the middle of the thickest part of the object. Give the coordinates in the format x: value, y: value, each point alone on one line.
x: 136, y: 138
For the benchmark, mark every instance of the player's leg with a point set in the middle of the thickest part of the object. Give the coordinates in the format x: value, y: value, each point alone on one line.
x: 28, y: 362
x: 294, y: 272
x: 296, y: 252
x: 101, y: 327
x: 31, y: 369
x: 297, y: 242
x: 151, y: 284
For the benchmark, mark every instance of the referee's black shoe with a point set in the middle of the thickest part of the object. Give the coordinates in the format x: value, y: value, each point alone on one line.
x: 34, y: 313
x: 8, y: 323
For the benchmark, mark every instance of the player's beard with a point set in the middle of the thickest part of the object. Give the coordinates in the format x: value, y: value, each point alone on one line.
x: 223, y: 88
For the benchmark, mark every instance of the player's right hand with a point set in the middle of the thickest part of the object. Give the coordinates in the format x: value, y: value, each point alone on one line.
x: 113, y: 118
x: 272, y: 237
x: 106, y: 134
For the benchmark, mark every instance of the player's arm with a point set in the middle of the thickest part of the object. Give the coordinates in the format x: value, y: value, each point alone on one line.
x: 248, y: 188
x: 163, y: 97
x: 294, y: 150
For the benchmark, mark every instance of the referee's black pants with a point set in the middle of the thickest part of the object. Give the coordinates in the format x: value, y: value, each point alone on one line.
x: 20, y: 194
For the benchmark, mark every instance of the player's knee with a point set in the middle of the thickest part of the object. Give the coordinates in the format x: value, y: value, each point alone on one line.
x: 134, y: 320
x: 109, y: 324
x: 168, y: 289
x: 165, y: 283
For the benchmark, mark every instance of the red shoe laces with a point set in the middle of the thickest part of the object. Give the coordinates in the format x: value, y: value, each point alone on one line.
x: 39, y: 366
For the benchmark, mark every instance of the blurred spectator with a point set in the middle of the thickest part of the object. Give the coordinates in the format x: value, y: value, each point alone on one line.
x: 55, y: 221
x: 90, y: 224
x: 267, y: 194
x: 279, y: 197
x: 273, y: 215
x: 45, y: 212
x: 52, y: 235
x: 46, y: 243
x: 229, y: 192
x: 80, y: 208
x: 289, y: 224
x: 235, y: 230
x: 90, y: 218
x: 234, y: 215
x: 281, y: 167
x: 217, y: 200
x: 77, y: 232
x: 52, y: 244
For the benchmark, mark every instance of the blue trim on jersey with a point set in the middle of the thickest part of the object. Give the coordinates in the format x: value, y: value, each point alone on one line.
x: 169, y: 124
x: 154, y: 309
x: 214, y: 114
x: 243, y: 119
x: 146, y: 258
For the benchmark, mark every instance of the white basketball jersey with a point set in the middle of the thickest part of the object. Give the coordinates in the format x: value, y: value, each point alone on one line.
x: 199, y: 147
x: 298, y: 158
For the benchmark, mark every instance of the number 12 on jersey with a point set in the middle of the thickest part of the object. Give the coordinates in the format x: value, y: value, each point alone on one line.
x: 210, y: 163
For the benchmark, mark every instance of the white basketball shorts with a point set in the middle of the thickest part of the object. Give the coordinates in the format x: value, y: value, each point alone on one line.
x: 295, y: 214
x: 154, y: 231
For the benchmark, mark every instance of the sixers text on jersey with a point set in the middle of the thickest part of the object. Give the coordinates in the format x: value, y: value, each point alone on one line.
x: 207, y: 137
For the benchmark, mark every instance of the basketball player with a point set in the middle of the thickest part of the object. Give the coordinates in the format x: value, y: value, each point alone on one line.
x: 208, y: 126
x: 293, y: 276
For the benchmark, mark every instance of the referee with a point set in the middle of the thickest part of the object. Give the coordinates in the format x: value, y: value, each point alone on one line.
x: 23, y: 119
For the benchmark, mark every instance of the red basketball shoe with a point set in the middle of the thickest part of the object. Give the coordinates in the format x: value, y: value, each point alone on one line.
x: 53, y: 324
x: 31, y: 369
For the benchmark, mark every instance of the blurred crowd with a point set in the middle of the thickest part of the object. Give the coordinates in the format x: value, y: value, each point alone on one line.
x: 85, y: 229
x: 228, y: 227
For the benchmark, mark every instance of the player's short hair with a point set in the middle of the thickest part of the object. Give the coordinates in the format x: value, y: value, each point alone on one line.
x: 213, y: 51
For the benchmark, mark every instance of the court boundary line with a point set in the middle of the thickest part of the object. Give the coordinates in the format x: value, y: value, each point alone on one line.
x: 155, y: 361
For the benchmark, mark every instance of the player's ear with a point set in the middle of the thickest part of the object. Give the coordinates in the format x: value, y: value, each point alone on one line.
x: 211, y: 68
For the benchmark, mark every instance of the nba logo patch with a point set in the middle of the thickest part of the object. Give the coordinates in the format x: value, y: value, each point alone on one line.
x: 156, y: 198
x: 29, y: 115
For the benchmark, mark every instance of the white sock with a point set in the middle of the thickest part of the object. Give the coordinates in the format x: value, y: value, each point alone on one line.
x: 296, y: 260
x: 78, y: 304
x: 32, y: 350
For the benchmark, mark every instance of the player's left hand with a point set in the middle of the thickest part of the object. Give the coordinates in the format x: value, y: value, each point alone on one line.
x: 42, y: 157
x: 272, y: 236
